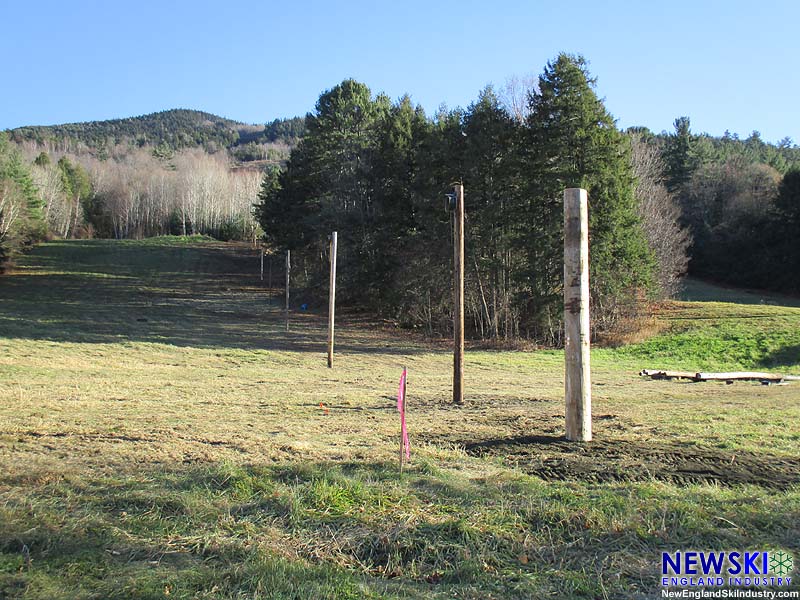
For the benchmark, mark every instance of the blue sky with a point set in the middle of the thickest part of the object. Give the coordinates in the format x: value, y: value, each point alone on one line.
x: 726, y: 64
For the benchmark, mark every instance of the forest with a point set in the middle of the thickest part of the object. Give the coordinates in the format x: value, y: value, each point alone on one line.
x: 662, y: 204
x: 168, y: 130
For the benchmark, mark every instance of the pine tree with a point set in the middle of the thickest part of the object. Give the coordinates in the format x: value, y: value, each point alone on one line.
x: 267, y: 212
x: 21, y: 217
x: 491, y: 176
x: 572, y: 141
x: 328, y: 186
x: 679, y: 159
x: 396, y: 235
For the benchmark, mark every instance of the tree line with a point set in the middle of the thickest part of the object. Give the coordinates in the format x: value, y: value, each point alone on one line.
x: 167, y: 132
x: 166, y: 173
x: 137, y: 195
x: 739, y: 200
x: 376, y: 171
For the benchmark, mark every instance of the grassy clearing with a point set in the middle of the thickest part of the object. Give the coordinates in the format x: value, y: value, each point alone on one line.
x: 723, y: 336
x: 162, y: 436
x: 695, y: 290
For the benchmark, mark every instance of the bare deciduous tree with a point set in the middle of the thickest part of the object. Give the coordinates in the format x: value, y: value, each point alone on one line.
x: 57, y: 207
x: 9, y: 208
x: 514, y: 95
x: 660, y: 214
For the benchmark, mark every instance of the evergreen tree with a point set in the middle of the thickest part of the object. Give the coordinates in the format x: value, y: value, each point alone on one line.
x: 78, y: 188
x: 491, y: 174
x: 21, y: 217
x: 268, y: 212
x: 572, y: 141
x: 787, y: 205
x: 395, y: 168
x: 42, y: 160
x: 328, y: 185
x: 679, y: 159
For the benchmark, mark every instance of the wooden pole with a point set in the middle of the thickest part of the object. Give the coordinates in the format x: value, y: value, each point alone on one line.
x: 261, y: 251
x: 577, y: 381
x: 458, y: 315
x: 402, y: 417
x: 269, y: 279
x: 288, y: 271
x: 332, y: 300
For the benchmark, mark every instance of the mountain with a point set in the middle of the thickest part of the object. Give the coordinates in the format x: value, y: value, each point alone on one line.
x: 170, y: 129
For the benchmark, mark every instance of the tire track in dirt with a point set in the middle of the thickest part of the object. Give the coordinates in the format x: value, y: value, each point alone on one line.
x: 601, y: 461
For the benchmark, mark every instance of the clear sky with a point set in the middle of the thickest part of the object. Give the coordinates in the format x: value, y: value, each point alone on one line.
x: 726, y: 64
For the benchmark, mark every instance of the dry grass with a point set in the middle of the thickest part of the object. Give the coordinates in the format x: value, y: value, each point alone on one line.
x: 163, y: 433
x: 634, y: 330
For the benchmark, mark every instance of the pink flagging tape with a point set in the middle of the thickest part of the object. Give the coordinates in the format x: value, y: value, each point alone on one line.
x: 401, y: 401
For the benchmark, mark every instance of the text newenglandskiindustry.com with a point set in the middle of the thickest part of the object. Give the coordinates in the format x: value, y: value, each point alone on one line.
x: 732, y: 593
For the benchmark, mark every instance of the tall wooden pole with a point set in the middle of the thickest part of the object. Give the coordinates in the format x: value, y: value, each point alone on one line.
x: 458, y: 315
x: 577, y: 381
x: 261, y: 251
x: 402, y: 420
x: 288, y: 271
x: 332, y: 300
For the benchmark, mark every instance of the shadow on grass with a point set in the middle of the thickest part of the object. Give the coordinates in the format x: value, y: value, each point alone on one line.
x: 698, y: 290
x: 355, y: 530
x: 207, y: 296
x: 788, y: 356
x: 309, y: 530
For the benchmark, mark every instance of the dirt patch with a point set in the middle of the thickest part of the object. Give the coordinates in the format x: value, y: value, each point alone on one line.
x: 617, y: 460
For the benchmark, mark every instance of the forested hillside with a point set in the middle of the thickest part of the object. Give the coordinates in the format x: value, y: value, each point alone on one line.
x: 739, y: 200
x: 166, y: 131
x: 179, y: 171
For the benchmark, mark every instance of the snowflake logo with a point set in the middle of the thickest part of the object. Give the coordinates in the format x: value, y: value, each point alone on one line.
x: 780, y: 563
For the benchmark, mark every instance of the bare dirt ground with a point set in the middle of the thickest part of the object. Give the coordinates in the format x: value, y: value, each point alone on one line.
x: 601, y: 461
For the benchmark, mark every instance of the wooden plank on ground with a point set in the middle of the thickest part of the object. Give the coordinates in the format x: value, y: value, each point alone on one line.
x: 745, y: 376
x: 729, y: 376
x: 663, y: 374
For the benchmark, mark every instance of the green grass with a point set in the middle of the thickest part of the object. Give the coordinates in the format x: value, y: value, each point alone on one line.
x: 723, y: 336
x: 162, y: 437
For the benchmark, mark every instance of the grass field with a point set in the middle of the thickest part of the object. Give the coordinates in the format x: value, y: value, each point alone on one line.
x: 163, y: 436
